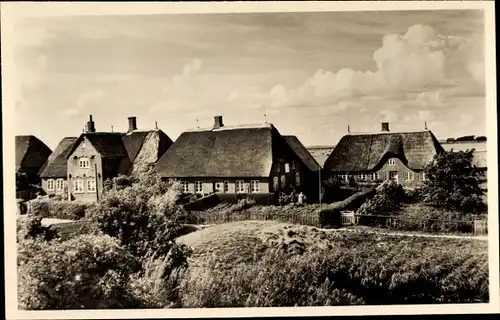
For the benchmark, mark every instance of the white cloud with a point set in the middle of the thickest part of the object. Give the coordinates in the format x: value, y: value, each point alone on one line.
x: 232, y: 96
x: 389, y: 115
x: 84, y: 101
x: 419, y: 61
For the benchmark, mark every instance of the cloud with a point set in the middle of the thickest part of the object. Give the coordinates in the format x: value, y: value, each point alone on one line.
x: 389, y: 115
x: 419, y: 61
x: 232, y: 96
x: 181, y: 92
x: 84, y: 101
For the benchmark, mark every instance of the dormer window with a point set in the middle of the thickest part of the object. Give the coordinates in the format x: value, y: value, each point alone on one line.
x: 392, y: 162
x: 84, y: 163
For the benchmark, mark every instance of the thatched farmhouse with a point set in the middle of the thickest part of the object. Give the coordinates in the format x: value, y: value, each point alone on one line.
x: 399, y: 156
x: 97, y: 156
x: 54, y: 174
x: 31, y: 156
x: 253, y: 161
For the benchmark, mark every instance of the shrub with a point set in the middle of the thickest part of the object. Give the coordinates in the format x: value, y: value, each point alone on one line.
x: 454, y: 182
x: 386, y: 201
x: 30, y: 227
x: 86, y: 272
x: 71, y: 210
x: 144, y: 216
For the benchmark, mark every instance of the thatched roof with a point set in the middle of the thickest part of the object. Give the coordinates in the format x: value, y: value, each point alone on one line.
x: 303, y: 153
x: 368, y: 152
x: 136, y: 147
x: 31, y: 154
x: 230, y: 151
x: 154, y: 143
x: 57, y: 163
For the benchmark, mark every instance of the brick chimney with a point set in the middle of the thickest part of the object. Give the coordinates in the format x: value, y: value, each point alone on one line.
x: 385, y: 126
x: 132, y: 124
x: 218, y: 122
x: 90, y: 127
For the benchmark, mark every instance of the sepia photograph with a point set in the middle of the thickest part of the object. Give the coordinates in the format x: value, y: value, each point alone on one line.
x: 264, y: 157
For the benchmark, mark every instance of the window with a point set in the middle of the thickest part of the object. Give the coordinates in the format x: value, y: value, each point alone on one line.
x: 283, y: 182
x: 287, y: 167
x: 408, y: 176
x: 293, y: 165
x: 84, y: 163
x: 198, y: 186
x: 91, y: 185
x: 50, y: 185
x: 185, y: 186
x: 240, y: 186
x: 392, y: 162
x: 275, y: 183
x: 226, y: 186
x: 60, y: 184
x: 423, y: 176
x: 297, y: 179
x: 386, y: 176
x: 254, y: 184
x: 78, y: 185
x: 218, y: 187
x: 375, y: 176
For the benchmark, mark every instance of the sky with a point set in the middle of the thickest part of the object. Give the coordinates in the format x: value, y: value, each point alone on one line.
x: 310, y: 74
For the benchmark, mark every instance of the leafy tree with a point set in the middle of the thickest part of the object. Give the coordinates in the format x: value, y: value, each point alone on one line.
x: 143, y: 215
x: 454, y: 182
x: 386, y: 201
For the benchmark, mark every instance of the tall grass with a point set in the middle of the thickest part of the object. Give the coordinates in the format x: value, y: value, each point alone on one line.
x: 355, y: 269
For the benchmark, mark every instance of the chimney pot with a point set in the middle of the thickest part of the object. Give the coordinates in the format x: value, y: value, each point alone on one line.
x: 385, y: 126
x: 90, y: 127
x: 218, y: 122
x: 132, y: 124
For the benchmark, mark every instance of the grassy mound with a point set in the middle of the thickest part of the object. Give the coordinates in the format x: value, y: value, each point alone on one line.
x: 265, y: 263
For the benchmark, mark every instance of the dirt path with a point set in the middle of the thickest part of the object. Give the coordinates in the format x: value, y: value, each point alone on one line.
x: 403, y: 234
x: 394, y: 233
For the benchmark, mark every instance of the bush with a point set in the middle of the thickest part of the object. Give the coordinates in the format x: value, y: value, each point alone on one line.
x: 30, y: 228
x: 86, y: 272
x: 70, y: 210
x: 144, y: 216
x: 421, y: 217
x: 386, y: 201
x: 454, y: 182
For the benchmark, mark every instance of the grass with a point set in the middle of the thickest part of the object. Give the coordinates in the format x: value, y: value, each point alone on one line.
x: 266, y: 263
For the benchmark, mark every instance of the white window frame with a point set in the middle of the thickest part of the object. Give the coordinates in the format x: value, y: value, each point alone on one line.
x: 297, y: 179
x: 283, y: 182
x: 78, y: 185
x: 391, y: 162
x: 375, y: 176
x: 240, y: 186
x: 185, y: 186
x: 198, y: 186
x: 423, y: 176
x: 91, y: 187
x: 60, y: 184
x: 255, y: 186
x: 51, y: 185
x: 287, y: 167
x: 84, y: 163
x: 219, y: 189
x: 226, y: 186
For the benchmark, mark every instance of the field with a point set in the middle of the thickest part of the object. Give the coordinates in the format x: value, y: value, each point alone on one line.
x: 265, y: 263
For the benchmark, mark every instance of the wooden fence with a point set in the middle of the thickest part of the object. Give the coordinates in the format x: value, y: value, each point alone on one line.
x: 224, y: 217
x: 477, y: 226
